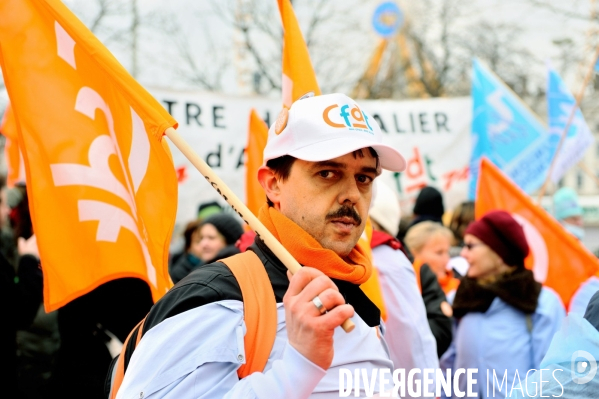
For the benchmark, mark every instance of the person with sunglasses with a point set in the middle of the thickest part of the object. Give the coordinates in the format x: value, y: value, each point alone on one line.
x: 505, y: 320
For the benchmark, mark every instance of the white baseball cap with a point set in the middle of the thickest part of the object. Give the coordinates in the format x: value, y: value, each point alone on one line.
x: 325, y: 127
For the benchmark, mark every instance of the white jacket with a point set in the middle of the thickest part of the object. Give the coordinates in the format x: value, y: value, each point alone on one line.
x: 407, y: 332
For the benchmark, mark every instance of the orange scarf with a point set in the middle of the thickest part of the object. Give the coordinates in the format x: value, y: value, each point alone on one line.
x: 307, y: 251
x: 448, y: 282
x: 417, y: 265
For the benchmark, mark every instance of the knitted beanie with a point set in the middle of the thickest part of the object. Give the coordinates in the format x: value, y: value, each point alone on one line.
x: 429, y: 202
x: 207, y: 209
x: 500, y: 231
x: 226, y: 225
x: 565, y: 204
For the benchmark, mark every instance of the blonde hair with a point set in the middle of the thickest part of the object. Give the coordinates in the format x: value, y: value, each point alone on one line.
x: 419, y: 234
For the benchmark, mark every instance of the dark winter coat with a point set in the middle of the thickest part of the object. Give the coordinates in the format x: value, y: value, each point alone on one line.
x: 20, y: 296
x: 433, y: 297
x: 188, y: 262
x: 83, y: 357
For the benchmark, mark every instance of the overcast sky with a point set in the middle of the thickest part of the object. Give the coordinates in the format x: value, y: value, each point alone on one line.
x: 198, y: 23
x: 195, y: 21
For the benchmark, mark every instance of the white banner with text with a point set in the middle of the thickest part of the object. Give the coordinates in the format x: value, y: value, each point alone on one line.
x: 433, y: 135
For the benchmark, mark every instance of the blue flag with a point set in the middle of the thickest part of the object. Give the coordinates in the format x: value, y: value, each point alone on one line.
x: 578, y: 138
x: 507, y: 132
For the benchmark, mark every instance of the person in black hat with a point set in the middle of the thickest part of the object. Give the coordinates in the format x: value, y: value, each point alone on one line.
x: 207, y: 241
x: 428, y: 206
x: 207, y: 209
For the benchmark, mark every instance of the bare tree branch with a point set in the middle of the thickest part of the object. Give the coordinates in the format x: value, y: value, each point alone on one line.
x: 104, y: 9
x: 264, y: 71
x: 566, y: 12
x: 315, y: 21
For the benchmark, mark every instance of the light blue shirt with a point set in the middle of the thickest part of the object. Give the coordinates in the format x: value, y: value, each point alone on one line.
x: 581, y: 299
x: 196, y: 354
x: 498, y: 343
x: 570, y: 361
x: 408, y: 334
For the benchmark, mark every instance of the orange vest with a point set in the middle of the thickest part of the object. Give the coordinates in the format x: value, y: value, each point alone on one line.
x: 259, y: 315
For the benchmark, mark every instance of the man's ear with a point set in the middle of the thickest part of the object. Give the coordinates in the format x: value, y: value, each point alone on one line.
x: 270, y: 183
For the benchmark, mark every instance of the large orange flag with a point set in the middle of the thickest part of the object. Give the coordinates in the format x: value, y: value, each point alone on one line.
x: 101, y: 182
x: 12, y: 152
x: 257, y: 136
x: 298, y: 75
x: 557, y: 258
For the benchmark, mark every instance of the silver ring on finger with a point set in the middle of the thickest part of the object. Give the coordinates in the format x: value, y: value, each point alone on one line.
x: 319, y: 305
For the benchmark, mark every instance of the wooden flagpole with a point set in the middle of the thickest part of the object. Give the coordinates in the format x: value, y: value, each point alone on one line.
x: 589, y: 172
x: 240, y: 208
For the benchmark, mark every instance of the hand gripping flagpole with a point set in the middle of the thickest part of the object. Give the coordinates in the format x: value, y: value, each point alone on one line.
x: 239, y: 207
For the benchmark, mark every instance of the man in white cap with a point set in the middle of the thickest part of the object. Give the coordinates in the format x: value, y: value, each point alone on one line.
x: 321, y: 159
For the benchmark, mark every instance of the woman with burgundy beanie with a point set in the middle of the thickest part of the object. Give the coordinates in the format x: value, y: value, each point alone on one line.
x: 505, y: 320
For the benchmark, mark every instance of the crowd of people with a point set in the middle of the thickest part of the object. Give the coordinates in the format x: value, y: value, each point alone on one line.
x: 454, y: 296
x: 66, y: 352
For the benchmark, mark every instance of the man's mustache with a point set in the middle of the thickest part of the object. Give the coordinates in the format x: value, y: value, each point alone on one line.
x: 345, y: 211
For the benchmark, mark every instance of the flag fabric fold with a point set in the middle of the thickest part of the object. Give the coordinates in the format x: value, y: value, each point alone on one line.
x: 557, y: 258
x: 372, y: 287
x: 299, y: 78
x: 12, y: 152
x: 100, y: 178
x: 257, y: 136
x: 578, y: 138
x: 507, y: 132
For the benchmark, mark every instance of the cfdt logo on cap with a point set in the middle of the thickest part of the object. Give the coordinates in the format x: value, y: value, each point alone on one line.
x: 355, y: 119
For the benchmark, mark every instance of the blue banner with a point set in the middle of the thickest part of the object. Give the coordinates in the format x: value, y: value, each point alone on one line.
x: 507, y: 132
x: 559, y: 109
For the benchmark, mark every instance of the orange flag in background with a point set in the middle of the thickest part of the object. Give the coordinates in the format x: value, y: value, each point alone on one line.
x: 12, y: 152
x: 372, y: 287
x: 298, y: 79
x: 257, y: 136
x: 101, y: 182
x: 298, y: 74
x: 557, y: 258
